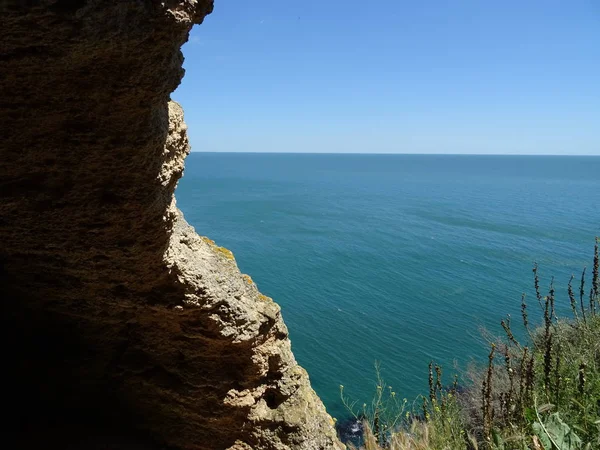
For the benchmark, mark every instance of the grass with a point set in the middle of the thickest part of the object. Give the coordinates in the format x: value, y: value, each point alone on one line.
x: 543, y: 394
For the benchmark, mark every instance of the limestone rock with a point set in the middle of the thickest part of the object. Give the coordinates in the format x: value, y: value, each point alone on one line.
x: 116, y: 313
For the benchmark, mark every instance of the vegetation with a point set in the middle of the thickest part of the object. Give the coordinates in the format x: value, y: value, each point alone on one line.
x: 221, y: 250
x: 542, y: 395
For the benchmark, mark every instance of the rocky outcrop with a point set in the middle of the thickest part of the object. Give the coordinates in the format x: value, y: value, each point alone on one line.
x: 116, y: 314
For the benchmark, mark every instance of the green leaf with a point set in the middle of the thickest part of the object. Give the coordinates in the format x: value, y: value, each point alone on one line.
x: 563, y: 436
x: 529, y: 414
x: 497, y: 439
x: 544, y: 439
x: 555, y: 434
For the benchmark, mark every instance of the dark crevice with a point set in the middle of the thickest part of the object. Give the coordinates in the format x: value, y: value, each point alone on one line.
x: 67, y: 6
x: 273, y: 397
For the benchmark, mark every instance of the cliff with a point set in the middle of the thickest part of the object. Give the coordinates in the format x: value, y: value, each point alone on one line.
x: 117, y: 315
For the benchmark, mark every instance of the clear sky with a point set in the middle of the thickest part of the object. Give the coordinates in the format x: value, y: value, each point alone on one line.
x: 394, y: 76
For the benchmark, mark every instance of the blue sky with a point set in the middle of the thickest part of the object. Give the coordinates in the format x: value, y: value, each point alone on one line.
x: 392, y: 76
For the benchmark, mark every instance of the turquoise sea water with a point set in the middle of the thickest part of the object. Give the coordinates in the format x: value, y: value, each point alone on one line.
x: 395, y: 258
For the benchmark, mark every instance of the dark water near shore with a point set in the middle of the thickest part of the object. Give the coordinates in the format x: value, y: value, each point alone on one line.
x: 394, y: 258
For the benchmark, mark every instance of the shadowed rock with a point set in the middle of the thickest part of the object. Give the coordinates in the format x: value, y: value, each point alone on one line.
x: 120, y: 323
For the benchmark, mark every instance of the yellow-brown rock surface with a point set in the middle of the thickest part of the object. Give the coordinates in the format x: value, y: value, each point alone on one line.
x: 116, y: 314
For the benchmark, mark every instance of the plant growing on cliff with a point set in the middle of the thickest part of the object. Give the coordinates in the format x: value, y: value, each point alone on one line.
x: 384, y: 414
x: 543, y: 394
x: 432, y: 422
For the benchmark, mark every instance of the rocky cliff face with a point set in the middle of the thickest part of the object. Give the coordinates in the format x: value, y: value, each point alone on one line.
x: 116, y: 314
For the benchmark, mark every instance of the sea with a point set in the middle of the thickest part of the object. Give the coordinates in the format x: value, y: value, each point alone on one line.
x: 396, y: 260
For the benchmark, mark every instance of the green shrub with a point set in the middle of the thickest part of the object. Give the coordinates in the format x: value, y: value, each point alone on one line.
x: 541, y: 395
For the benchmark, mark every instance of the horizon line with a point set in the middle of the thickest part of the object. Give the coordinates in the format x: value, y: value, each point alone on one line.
x: 398, y: 154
